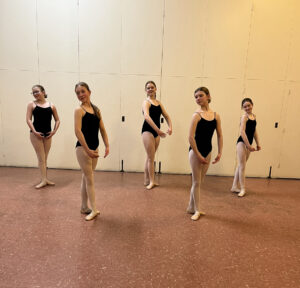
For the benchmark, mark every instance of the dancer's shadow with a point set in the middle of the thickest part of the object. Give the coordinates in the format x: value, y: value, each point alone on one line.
x: 127, y: 230
x: 254, y: 227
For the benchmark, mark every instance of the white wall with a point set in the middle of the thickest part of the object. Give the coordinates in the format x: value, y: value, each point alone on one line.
x: 236, y: 48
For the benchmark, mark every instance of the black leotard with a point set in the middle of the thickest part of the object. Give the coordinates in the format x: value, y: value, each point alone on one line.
x: 203, y: 135
x: 90, y: 129
x: 154, y: 113
x: 42, y: 119
x: 250, y: 130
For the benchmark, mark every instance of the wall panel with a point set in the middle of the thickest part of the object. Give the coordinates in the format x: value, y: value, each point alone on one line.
x: 18, y: 37
x: 58, y: 35
x: 269, y: 39
x: 142, y: 24
x: 289, y: 158
x: 100, y: 36
x: 226, y: 38
x: 183, y: 38
x: 15, y: 89
x: 133, y: 93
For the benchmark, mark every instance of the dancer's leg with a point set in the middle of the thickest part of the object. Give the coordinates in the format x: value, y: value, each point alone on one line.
x: 86, y: 163
x: 47, y: 146
x: 157, y: 141
x: 38, y: 146
x: 84, y: 197
x: 243, y: 155
x: 149, y: 144
x: 198, y: 170
x: 146, y: 173
x: 235, y: 187
x: 236, y: 179
x: 205, y: 168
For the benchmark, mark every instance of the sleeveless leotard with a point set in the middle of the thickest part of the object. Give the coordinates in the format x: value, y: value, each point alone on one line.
x: 154, y: 113
x: 42, y: 119
x: 250, y: 130
x: 90, y: 129
x: 203, y: 135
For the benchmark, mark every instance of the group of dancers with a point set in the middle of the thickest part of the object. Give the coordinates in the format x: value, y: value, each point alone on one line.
x: 88, y: 121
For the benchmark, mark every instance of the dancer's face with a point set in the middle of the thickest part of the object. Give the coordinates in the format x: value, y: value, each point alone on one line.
x: 150, y: 90
x: 201, y: 98
x: 247, y: 107
x: 83, y: 94
x: 38, y: 94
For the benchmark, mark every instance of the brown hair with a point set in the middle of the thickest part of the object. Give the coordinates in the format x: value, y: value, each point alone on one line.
x: 41, y: 88
x: 205, y: 90
x: 246, y: 100
x: 95, y: 108
x: 150, y: 82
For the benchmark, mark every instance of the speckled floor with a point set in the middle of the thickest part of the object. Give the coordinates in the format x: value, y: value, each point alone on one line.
x: 145, y: 238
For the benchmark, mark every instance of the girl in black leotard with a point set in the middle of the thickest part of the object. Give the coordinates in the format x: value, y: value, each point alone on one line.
x: 151, y: 133
x: 247, y: 133
x: 204, y: 123
x: 88, y: 122
x: 40, y: 129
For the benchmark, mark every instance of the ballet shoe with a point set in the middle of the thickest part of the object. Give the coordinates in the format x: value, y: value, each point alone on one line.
x: 242, y: 193
x: 42, y: 184
x: 85, y: 211
x: 146, y: 183
x: 150, y: 186
x: 235, y: 190
x: 92, y: 215
x: 197, y: 215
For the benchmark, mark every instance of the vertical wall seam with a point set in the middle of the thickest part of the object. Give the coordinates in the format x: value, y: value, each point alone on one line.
x: 78, y: 39
x: 120, y: 92
x: 161, y: 61
x: 204, y: 43
x: 162, y: 46
x: 247, y: 49
x: 37, y: 39
x: 246, y: 66
x: 286, y: 91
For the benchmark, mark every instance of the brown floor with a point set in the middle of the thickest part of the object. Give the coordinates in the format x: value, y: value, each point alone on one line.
x: 145, y: 238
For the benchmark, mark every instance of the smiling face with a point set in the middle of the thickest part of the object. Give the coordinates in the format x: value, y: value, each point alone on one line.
x: 247, y: 107
x: 37, y: 93
x: 202, y: 98
x: 150, y: 90
x: 83, y: 94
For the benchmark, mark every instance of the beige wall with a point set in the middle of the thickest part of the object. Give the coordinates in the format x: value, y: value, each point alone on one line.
x: 236, y: 48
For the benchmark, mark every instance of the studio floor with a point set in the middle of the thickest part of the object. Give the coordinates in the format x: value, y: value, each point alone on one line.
x: 144, y: 238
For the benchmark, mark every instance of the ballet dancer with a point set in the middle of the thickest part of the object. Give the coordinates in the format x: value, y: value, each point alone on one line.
x: 88, y: 122
x: 204, y: 122
x: 244, y: 146
x: 40, y: 129
x: 151, y: 133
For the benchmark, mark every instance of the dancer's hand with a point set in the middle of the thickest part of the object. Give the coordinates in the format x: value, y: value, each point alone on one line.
x: 161, y: 134
x: 251, y: 149
x: 169, y: 131
x: 39, y: 135
x: 258, y: 148
x: 92, y: 153
x: 217, y: 159
x: 50, y: 134
x: 202, y: 160
x: 106, y: 151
